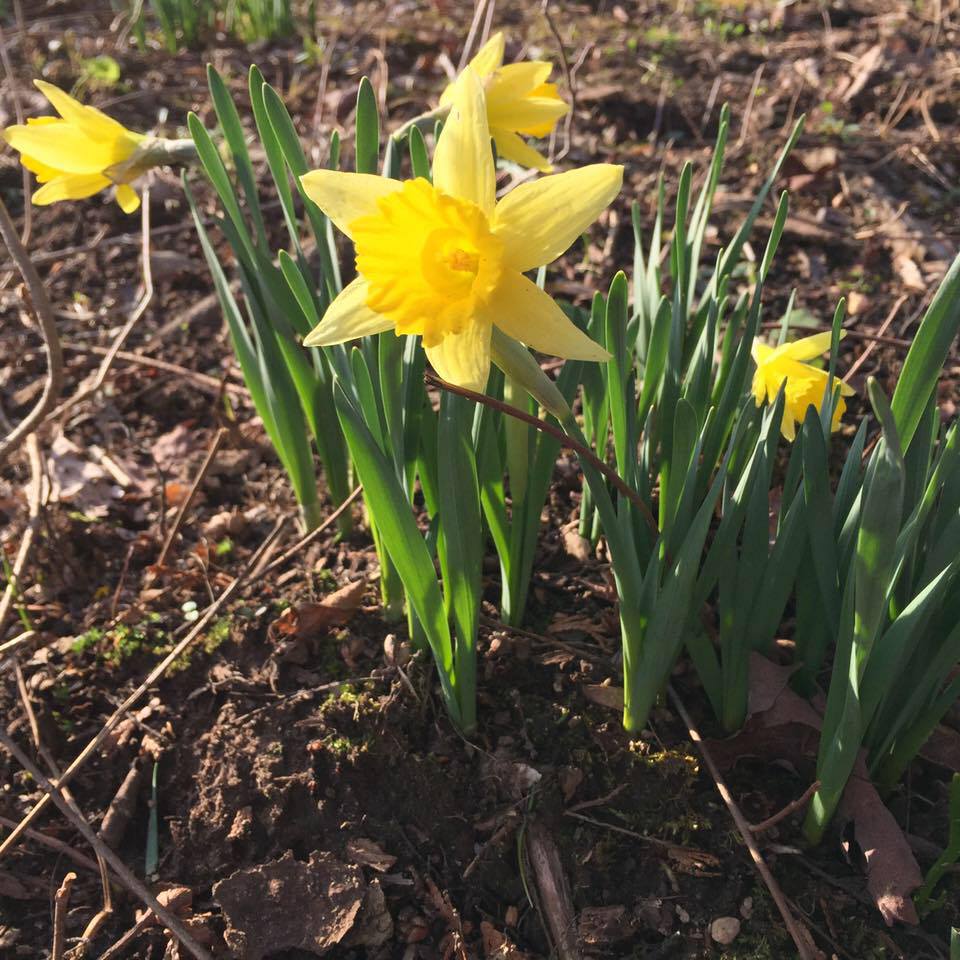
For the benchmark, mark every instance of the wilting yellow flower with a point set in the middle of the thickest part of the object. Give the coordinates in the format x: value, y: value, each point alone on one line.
x: 446, y: 261
x: 77, y: 154
x: 519, y: 101
x: 806, y: 385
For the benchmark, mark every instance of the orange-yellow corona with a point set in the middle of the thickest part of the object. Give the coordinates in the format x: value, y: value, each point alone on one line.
x: 805, y: 385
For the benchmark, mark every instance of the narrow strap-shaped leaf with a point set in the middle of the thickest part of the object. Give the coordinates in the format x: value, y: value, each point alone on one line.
x: 233, y: 133
x: 927, y: 354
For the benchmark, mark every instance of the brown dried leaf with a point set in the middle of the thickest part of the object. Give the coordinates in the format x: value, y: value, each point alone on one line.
x: 892, y: 871
x: 369, y: 854
x: 309, y: 619
x: 578, y: 547
x: 497, y: 946
x: 603, y: 696
x: 943, y: 748
x: 784, y: 726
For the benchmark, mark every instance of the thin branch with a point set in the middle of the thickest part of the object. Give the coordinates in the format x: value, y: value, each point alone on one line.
x: 137, y: 313
x: 60, y: 902
x: 48, y: 328
x: 798, y: 804
x: 35, y: 501
x: 872, y: 345
x: 18, y: 110
x: 122, y: 871
x: 568, y: 77
x: 801, y: 937
x: 158, y: 671
x: 311, y: 536
x: 189, y: 498
x: 557, y: 433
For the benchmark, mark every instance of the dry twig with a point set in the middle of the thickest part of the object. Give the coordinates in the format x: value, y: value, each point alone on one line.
x: 801, y: 938
x: 122, y: 871
x: 154, y: 675
x: 189, y: 498
x: 36, y: 496
x: 60, y: 902
x: 136, y: 314
x: 48, y: 328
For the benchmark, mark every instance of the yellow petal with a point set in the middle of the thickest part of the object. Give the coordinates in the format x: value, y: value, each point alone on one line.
x: 538, y: 220
x: 463, y: 160
x: 347, y: 318
x: 523, y: 311
x: 525, y: 114
x: 511, y: 147
x: 127, y: 197
x: 518, y: 79
x: 489, y: 56
x: 71, y: 186
x: 89, y: 120
x: 345, y: 197
x: 62, y: 146
x: 464, y: 358
x: 809, y: 348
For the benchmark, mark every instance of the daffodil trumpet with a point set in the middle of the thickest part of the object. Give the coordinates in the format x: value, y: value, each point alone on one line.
x: 445, y: 260
x: 804, y: 385
x: 83, y: 151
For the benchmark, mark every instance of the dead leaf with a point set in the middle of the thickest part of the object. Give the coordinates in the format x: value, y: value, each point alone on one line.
x: 563, y: 623
x: 600, y: 927
x: 862, y: 71
x: 496, y: 945
x: 369, y: 854
x: 75, y: 480
x: 943, y: 748
x: 785, y: 726
x: 892, y: 871
x: 818, y: 158
x: 308, y: 619
x: 909, y: 272
x: 578, y: 547
x: 604, y: 696
x: 172, y: 449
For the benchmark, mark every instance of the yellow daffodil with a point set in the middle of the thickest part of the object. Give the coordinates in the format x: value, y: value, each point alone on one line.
x: 519, y: 101
x: 446, y: 261
x: 806, y: 385
x: 79, y: 153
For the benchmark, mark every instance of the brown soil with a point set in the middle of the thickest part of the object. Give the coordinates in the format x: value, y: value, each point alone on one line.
x: 307, y: 816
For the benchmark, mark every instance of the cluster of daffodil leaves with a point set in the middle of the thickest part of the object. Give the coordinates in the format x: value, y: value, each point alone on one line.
x: 722, y: 538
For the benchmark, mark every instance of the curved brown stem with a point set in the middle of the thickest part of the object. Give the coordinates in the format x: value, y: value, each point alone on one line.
x: 557, y: 433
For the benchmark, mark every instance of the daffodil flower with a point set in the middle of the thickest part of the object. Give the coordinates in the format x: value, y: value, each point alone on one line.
x: 519, y: 101
x: 83, y: 151
x: 447, y: 261
x: 805, y: 385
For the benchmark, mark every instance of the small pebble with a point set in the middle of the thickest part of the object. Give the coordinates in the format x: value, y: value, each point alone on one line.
x: 724, y: 930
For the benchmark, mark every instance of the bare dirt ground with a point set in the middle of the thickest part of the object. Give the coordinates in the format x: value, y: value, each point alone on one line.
x: 311, y: 796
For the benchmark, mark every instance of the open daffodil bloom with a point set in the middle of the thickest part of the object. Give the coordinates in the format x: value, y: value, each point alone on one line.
x: 446, y: 261
x: 519, y: 101
x: 805, y: 385
x: 77, y: 154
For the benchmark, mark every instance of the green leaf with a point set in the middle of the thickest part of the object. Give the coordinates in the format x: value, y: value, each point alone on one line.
x: 236, y: 140
x: 402, y: 539
x: 367, y: 129
x: 927, y: 354
x: 460, y: 545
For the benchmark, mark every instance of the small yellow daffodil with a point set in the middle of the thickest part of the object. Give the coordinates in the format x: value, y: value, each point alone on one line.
x: 519, y: 101
x: 445, y: 260
x: 805, y: 385
x: 79, y: 153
